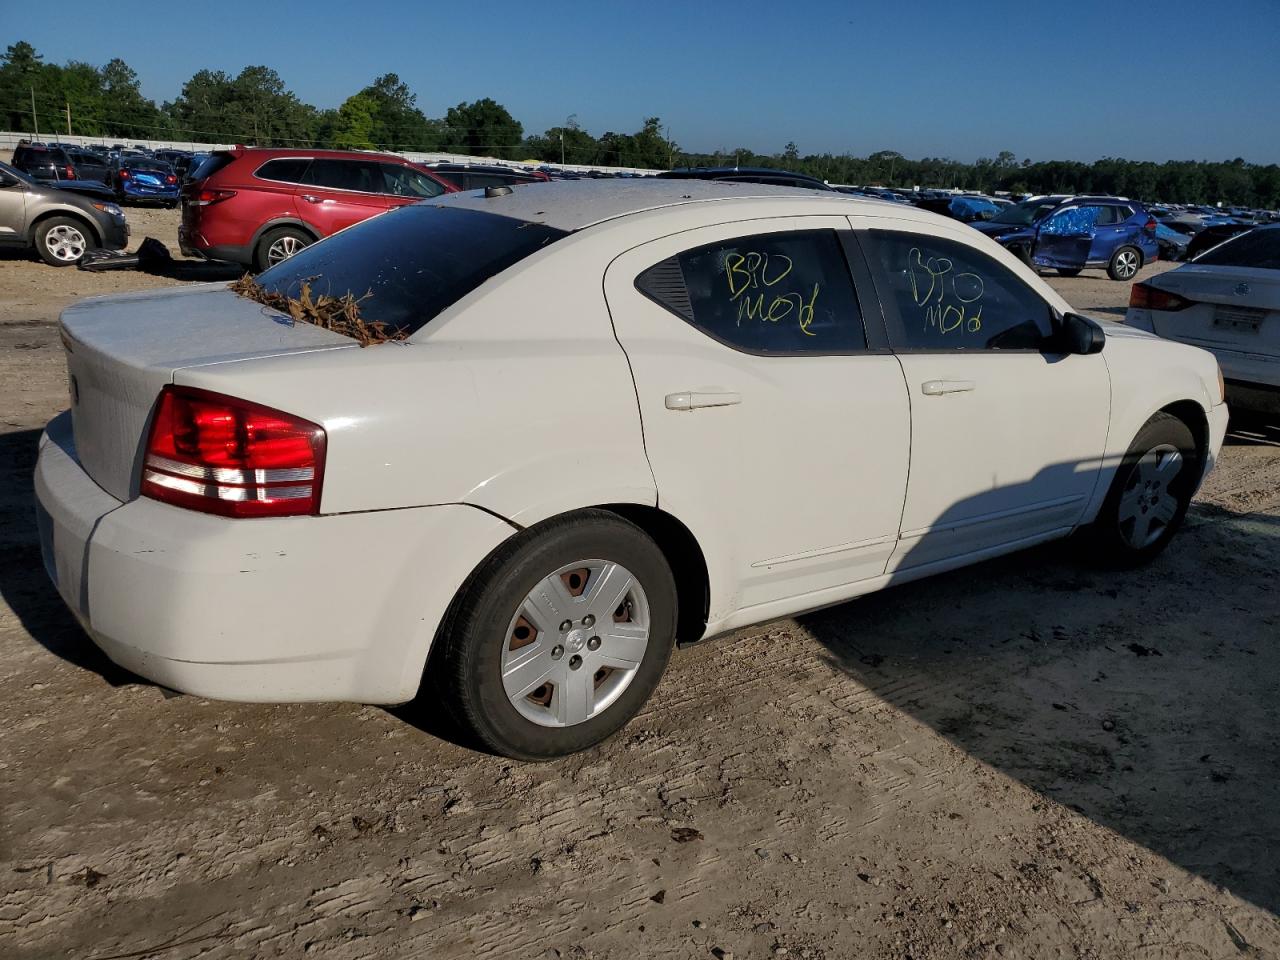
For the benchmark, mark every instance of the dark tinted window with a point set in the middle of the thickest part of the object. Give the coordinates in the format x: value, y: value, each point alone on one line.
x: 362, y: 175
x: 403, y: 181
x: 943, y: 295
x: 211, y: 165
x: 284, y: 170
x: 771, y: 293
x: 453, y: 176
x: 1256, y: 248
x: 1113, y: 215
x: 412, y: 262
x: 477, y: 181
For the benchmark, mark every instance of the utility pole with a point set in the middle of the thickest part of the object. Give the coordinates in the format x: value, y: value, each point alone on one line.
x: 68, y: 118
x: 562, y: 148
x: 35, y: 121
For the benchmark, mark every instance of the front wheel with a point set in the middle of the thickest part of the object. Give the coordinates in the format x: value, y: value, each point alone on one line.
x: 1149, y: 496
x: 1124, y: 263
x: 62, y: 241
x: 560, y: 637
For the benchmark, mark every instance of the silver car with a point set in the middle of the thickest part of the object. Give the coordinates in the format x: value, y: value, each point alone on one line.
x: 60, y: 224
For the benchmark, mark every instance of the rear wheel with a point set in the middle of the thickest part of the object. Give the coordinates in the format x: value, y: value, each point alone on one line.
x: 1065, y: 272
x: 1124, y: 263
x: 279, y: 245
x: 63, y: 241
x: 1149, y: 496
x: 560, y: 637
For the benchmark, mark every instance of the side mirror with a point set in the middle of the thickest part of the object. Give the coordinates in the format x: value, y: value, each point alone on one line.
x: 1073, y: 333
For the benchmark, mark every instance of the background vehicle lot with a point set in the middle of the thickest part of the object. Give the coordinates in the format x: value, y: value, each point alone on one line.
x: 1079, y: 762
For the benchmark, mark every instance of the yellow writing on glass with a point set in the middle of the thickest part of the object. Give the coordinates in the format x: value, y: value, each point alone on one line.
x: 748, y: 273
x: 952, y: 301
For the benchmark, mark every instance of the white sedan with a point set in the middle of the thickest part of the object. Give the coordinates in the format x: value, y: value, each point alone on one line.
x: 623, y: 415
x: 1227, y: 301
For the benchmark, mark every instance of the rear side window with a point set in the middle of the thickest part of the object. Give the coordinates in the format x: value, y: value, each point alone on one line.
x: 1112, y: 215
x: 363, y: 176
x: 940, y: 295
x: 211, y: 165
x: 284, y: 169
x: 411, y: 263
x: 1254, y: 248
x: 773, y: 293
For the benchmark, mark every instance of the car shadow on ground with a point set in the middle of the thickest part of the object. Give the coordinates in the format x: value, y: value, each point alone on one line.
x: 23, y: 583
x: 1145, y: 700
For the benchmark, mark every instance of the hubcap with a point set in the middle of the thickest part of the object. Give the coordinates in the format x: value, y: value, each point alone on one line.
x: 575, y: 643
x: 1126, y: 264
x: 283, y: 248
x: 65, y: 243
x: 1148, y: 505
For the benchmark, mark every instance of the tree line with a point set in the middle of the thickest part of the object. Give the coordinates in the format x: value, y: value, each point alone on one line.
x: 256, y: 107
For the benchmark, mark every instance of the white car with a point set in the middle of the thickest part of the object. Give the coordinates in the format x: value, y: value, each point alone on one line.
x: 626, y: 414
x: 1227, y: 301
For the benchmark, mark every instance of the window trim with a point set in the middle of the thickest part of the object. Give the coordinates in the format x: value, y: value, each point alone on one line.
x: 862, y: 301
x: 887, y: 304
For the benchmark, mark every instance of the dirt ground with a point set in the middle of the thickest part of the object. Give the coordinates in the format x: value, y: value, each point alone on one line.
x: 1028, y: 758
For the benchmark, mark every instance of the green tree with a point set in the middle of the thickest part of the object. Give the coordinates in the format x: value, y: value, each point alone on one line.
x: 355, y: 123
x: 482, y: 128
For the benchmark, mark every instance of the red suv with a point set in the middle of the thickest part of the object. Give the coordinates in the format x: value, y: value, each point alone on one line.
x: 260, y: 206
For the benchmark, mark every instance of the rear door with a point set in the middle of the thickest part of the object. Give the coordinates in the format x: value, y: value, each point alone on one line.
x: 1064, y: 239
x: 772, y: 430
x: 1110, y: 231
x: 335, y: 193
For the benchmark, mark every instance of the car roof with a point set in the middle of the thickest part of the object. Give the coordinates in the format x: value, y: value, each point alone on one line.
x: 575, y: 204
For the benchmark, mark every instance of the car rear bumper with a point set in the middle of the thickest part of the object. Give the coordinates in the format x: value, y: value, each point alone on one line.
x: 194, y: 245
x: 296, y: 608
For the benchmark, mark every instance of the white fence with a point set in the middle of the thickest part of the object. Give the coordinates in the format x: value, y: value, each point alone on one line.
x: 9, y: 140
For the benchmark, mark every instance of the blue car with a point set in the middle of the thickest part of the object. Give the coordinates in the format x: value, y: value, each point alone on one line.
x: 141, y: 179
x: 1071, y: 233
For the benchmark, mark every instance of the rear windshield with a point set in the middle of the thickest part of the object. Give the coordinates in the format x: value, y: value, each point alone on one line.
x: 1256, y: 248
x: 211, y: 165
x: 412, y: 263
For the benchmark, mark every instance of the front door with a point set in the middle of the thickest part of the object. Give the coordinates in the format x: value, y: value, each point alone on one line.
x: 1065, y: 239
x: 1006, y: 440
x: 13, y: 212
x: 773, y: 433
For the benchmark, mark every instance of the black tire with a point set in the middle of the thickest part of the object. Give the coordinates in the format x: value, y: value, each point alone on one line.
x: 466, y: 672
x: 1072, y: 272
x: 262, y: 258
x: 56, y: 241
x: 1124, y: 263
x: 1107, y: 541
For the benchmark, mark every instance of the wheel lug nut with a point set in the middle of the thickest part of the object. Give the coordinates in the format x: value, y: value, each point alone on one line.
x: 557, y: 652
x: 575, y: 662
x: 566, y: 626
x: 593, y: 643
x: 588, y: 621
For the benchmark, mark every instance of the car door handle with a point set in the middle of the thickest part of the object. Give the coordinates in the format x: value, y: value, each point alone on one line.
x: 692, y: 401
x: 309, y: 198
x: 936, y: 388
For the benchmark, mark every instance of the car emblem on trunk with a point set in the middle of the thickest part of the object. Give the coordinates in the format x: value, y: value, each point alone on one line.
x: 1241, y: 289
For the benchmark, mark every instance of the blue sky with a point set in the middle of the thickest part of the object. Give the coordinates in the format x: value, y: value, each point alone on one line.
x: 1170, y: 79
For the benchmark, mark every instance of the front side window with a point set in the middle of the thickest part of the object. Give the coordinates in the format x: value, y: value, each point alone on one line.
x: 406, y: 182
x: 941, y: 295
x: 1072, y: 222
x: 773, y: 293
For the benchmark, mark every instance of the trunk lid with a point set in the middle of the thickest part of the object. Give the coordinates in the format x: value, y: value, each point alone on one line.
x: 1236, y: 308
x: 122, y: 350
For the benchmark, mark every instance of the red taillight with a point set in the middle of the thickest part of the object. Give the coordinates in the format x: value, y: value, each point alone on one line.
x: 70, y: 171
x: 124, y: 174
x: 221, y: 455
x: 1150, y: 225
x: 1145, y: 297
x: 206, y: 197
x: 171, y: 179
